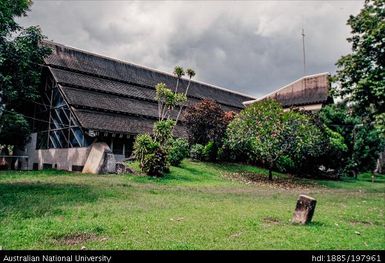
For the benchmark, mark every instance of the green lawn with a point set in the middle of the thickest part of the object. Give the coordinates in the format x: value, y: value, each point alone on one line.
x: 197, y: 206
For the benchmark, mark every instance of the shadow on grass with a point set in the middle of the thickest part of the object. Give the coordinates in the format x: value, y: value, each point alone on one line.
x: 183, y: 173
x: 30, y: 200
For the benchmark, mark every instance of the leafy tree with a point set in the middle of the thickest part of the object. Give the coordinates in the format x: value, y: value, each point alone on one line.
x: 361, y: 74
x: 206, y: 122
x: 157, y: 152
x: 20, y: 59
x: 263, y: 133
x: 15, y: 129
x: 363, y: 141
x: 9, y: 10
x: 167, y: 100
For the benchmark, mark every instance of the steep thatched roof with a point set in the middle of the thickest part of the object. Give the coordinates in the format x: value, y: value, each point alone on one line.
x: 111, y: 95
x: 308, y: 90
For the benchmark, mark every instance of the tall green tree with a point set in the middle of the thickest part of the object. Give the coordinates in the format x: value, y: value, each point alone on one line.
x: 363, y: 141
x: 21, y: 56
x: 263, y: 133
x: 361, y: 74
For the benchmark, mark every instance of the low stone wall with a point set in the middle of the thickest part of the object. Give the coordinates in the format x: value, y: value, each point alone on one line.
x: 62, y: 159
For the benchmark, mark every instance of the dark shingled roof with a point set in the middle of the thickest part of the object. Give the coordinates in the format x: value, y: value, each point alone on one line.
x: 115, y: 96
x: 303, y: 97
x: 117, y: 123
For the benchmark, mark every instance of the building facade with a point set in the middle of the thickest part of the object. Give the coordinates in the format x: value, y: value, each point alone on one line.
x: 88, y: 98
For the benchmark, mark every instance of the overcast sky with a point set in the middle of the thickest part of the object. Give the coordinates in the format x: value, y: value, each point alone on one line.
x: 250, y: 46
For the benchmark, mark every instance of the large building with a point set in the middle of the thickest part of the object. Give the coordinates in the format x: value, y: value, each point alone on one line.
x: 88, y: 98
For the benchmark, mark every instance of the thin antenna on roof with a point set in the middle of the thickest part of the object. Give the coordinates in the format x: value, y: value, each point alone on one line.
x: 303, y: 51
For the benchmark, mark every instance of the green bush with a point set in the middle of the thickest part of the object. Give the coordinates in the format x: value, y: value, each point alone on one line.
x: 155, y: 164
x: 144, y: 145
x: 163, y: 131
x: 196, y: 152
x: 210, y: 151
x: 178, y: 151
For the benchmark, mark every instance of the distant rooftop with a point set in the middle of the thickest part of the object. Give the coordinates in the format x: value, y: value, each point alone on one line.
x: 308, y: 90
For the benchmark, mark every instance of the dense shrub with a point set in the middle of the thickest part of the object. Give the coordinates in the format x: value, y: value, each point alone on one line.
x: 155, y: 164
x: 178, y: 151
x: 163, y: 131
x: 196, y: 152
x: 210, y: 152
x: 144, y: 145
x: 207, y: 153
x: 206, y: 122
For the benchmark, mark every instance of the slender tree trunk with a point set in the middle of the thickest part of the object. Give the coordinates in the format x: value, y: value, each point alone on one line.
x: 177, y: 84
x: 1, y: 103
x: 2, y: 107
x: 188, y: 86
x: 182, y: 106
x: 270, y: 174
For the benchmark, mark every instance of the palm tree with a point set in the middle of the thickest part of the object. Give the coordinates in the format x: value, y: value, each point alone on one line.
x: 190, y: 74
x: 178, y: 72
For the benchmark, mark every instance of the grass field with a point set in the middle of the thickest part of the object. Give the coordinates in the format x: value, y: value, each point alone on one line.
x: 197, y: 206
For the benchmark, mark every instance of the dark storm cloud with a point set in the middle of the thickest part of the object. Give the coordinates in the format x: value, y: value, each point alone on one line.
x: 252, y: 47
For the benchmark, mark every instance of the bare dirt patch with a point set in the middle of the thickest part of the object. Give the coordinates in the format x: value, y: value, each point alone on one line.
x: 270, y: 220
x: 78, y: 239
x: 361, y: 222
x: 288, y: 182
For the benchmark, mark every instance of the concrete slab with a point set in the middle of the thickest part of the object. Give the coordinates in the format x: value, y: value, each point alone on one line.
x: 95, y: 158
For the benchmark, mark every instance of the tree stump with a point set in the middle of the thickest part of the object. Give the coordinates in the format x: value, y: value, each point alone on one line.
x: 304, y: 209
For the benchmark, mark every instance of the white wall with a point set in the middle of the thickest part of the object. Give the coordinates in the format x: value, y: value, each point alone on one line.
x: 62, y: 159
